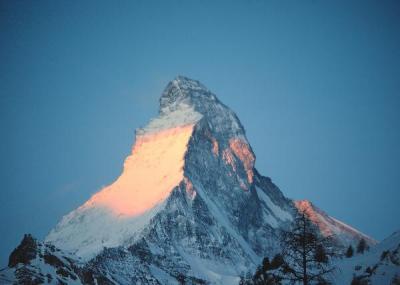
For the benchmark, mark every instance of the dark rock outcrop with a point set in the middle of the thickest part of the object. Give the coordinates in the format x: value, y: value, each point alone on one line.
x: 24, y: 253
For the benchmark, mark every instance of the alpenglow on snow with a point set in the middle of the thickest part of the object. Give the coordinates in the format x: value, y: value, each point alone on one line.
x: 189, y: 202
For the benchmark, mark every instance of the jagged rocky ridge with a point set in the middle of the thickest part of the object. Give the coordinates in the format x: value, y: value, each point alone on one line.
x: 206, y: 217
x: 329, y: 226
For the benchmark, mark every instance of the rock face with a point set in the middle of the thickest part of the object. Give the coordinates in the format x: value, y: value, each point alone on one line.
x: 34, y: 262
x: 189, y: 206
x: 24, y: 253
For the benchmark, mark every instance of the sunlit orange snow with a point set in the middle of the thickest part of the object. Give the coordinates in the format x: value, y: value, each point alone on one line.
x: 306, y: 207
x: 331, y: 226
x: 150, y: 173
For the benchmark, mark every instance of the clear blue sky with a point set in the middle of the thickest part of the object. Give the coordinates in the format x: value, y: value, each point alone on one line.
x: 315, y: 83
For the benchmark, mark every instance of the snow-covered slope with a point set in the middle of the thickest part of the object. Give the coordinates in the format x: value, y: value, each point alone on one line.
x: 189, y: 204
x: 118, y: 212
x: 329, y: 226
x: 34, y: 262
x: 379, y: 265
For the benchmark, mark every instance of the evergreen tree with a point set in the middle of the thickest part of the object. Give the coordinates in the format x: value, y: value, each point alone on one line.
x: 268, y: 273
x: 181, y: 279
x: 306, y: 253
x: 277, y: 261
x: 362, y: 246
x: 395, y: 280
x: 349, y: 251
x: 320, y: 254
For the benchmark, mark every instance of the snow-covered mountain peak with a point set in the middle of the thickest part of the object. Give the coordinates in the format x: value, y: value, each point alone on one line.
x: 187, y: 95
x: 183, y: 89
x: 330, y: 226
x: 194, y: 134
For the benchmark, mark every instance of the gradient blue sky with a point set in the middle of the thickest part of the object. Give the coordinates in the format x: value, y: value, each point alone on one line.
x: 315, y: 83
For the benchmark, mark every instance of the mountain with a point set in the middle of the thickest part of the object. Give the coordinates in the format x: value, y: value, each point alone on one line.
x: 189, y: 205
x: 330, y: 226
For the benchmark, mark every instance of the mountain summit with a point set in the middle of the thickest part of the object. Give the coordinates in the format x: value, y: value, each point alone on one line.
x: 189, y: 204
x: 194, y: 137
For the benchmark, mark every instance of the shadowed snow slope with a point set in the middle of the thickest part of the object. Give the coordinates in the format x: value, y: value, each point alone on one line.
x: 379, y: 265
